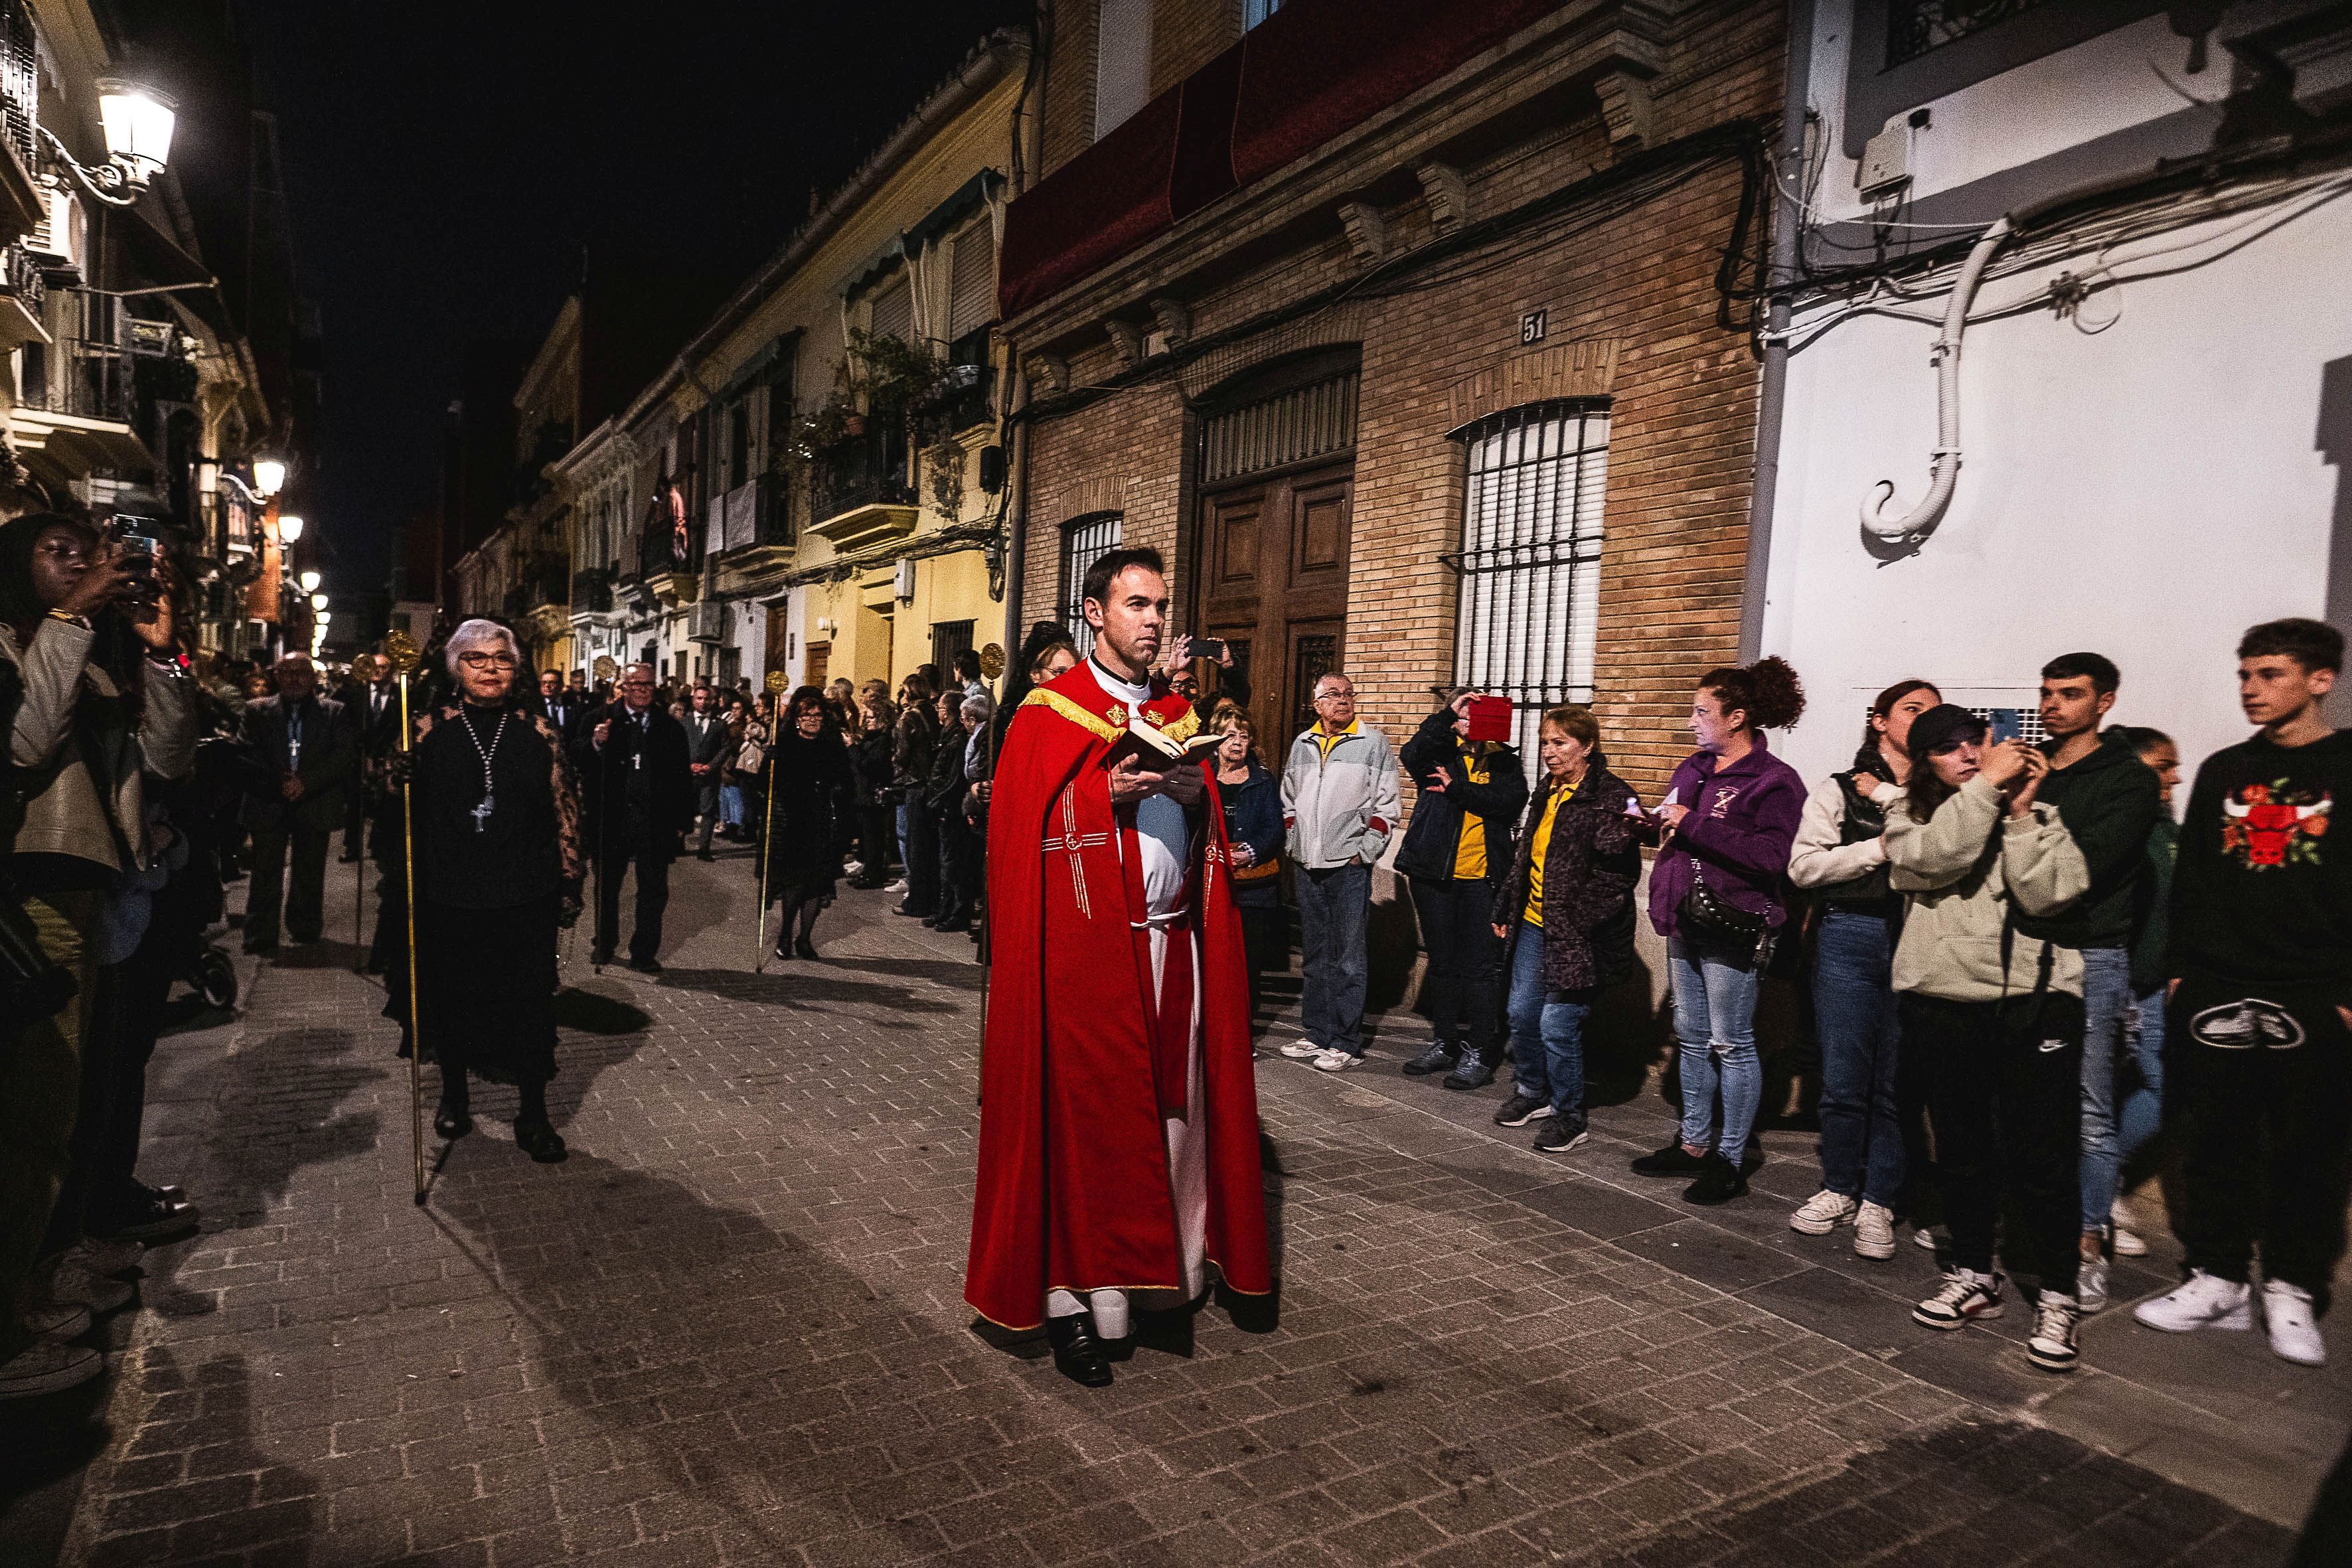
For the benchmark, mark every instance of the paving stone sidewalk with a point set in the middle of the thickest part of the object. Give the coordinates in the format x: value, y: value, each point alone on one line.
x: 730, y: 1329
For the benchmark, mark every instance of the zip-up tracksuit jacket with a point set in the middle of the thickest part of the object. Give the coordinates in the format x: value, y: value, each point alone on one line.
x: 1339, y: 799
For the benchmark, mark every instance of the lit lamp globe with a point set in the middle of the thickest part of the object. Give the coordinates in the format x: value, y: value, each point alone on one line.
x: 326, y: 616
x: 310, y: 580
x: 137, y: 123
x: 289, y: 528
x: 318, y: 601
x: 268, y: 475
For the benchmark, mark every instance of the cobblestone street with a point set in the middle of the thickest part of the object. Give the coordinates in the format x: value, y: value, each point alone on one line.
x: 730, y: 1329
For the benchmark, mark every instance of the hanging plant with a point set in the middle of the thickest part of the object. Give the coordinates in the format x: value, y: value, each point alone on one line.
x: 944, y: 462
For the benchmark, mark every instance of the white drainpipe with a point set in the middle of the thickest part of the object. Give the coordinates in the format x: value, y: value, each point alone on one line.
x: 1944, y: 470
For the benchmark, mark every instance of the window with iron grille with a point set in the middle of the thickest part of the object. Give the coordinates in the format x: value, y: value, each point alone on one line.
x: 1311, y: 421
x: 971, y: 278
x: 1530, y: 559
x: 950, y: 638
x: 1916, y: 27
x: 1083, y: 544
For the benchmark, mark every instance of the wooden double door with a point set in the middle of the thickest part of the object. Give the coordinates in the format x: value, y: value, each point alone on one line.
x: 1273, y: 575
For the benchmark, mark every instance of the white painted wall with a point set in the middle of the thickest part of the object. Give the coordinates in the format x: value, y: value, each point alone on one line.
x: 2147, y: 492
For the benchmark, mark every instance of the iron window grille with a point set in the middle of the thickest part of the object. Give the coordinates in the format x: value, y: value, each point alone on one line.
x: 1529, y: 562
x: 1083, y: 542
x: 1916, y: 27
x: 1312, y: 421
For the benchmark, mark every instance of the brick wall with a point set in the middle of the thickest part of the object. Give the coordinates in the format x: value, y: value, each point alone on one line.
x: 1683, y: 412
x: 1187, y: 34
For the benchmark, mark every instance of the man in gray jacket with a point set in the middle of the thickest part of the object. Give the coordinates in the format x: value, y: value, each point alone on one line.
x: 1338, y: 804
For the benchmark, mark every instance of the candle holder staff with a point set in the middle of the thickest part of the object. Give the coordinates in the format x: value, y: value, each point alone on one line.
x: 496, y: 846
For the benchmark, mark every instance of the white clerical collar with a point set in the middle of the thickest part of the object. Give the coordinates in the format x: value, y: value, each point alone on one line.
x: 1125, y: 691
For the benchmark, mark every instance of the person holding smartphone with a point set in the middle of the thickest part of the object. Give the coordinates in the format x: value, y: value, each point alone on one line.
x: 104, y: 702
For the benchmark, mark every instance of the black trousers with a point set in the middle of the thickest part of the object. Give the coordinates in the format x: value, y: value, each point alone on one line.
x: 923, y: 860
x: 305, y: 900
x: 652, y: 866
x: 958, y: 886
x: 877, y: 832
x: 2267, y: 1130
x: 1466, y: 960
x: 2005, y: 1096
x: 706, y: 807
x: 1265, y: 945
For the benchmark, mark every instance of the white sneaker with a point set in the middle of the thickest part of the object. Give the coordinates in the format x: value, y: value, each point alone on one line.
x: 1823, y: 1213
x: 1301, y: 1050
x: 1924, y: 1239
x: 70, y: 1284
x: 45, y: 1366
x: 2091, y: 1282
x: 1873, y: 1231
x: 852, y: 869
x: 1337, y: 1061
x: 2123, y: 1225
x: 2056, y: 1321
x: 2202, y: 1301
x: 2295, y: 1332
x: 898, y: 886
x: 57, y: 1320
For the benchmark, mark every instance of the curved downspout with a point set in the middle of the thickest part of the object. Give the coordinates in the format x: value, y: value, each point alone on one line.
x: 1944, y: 470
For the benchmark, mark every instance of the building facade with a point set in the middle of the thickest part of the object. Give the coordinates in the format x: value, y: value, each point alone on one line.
x: 2152, y: 380
x: 1416, y: 335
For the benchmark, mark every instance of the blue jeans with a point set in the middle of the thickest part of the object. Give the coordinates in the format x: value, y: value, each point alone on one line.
x: 730, y: 805
x: 906, y: 834
x: 1547, y: 1032
x: 1714, y: 1020
x: 2141, y: 1106
x: 1334, y: 904
x: 2107, y: 998
x: 1854, y: 1020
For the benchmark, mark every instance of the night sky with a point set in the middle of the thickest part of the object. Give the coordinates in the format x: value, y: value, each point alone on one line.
x: 447, y: 163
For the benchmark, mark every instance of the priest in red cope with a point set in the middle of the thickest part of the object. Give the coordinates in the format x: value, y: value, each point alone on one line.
x: 1118, y: 1108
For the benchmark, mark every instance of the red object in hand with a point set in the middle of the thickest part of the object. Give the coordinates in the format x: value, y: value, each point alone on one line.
x: 1490, y: 718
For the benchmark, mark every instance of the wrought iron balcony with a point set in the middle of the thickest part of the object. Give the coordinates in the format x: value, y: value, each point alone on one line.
x: 592, y: 592
x: 859, y: 489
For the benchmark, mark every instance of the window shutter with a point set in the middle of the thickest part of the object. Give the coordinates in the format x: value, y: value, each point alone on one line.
x: 1123, y: 61
x: 893, y: 311
x: 971, y: 289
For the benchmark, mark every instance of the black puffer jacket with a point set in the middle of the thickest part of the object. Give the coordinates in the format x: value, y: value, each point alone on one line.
x: 1434, y: 834
x: 1590, y: 868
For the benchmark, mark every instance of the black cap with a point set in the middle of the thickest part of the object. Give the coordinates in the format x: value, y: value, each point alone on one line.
x: 1940, y: 729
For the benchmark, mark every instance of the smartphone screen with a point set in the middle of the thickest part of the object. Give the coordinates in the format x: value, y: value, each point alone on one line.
x: 1210, y: 648
x: 2004, y: 724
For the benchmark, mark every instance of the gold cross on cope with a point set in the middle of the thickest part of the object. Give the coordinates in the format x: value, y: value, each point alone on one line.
x: 1074, y: 844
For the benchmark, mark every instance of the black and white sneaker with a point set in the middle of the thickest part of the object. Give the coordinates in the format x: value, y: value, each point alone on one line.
x: 1561, y: 1134
x: 1437, y: 1057
x: 1966, y: 1297
x: 2056, y: 1321
x: 1520, y: 1109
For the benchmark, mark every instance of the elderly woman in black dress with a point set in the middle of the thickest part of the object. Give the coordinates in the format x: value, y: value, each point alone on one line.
x: 498, y: 869
x: 808, y: 769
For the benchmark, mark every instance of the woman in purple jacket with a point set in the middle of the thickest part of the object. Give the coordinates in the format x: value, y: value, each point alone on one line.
x: 1719, y: 894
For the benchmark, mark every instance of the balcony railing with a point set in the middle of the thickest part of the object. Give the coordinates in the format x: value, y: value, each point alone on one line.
x: 864, y: 471
x: 539, y: 583
x: 592, y: 592
x: 20, y: 82
x: 77, y: 376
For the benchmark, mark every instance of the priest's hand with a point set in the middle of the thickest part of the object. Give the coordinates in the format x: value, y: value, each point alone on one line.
x: 1131, y: 781
x: 1183, y: 785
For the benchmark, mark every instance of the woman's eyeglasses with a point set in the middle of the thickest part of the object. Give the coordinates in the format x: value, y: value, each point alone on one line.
x: 487, y: 660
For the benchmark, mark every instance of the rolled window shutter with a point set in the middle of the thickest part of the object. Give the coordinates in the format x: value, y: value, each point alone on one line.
x: 972, y: 279
x: 893, y: 311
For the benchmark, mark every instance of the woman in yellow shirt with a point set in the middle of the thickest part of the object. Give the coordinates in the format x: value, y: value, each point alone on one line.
x: 1567, y: 910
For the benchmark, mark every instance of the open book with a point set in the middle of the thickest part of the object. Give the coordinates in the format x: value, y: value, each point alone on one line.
x: 1148, y: 742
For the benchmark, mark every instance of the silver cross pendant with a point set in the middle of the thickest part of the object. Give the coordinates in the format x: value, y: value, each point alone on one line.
x: 481, y: 814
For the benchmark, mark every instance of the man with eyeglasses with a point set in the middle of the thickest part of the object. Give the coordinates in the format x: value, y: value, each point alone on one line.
x: 302, y: 740
x: 639, y: 789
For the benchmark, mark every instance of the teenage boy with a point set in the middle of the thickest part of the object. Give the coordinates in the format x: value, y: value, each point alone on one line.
x: 2260, y: 958
x: 2108, y: 800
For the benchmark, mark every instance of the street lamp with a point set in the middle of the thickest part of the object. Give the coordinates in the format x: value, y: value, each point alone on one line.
x: 318, y: 601
x: 289, y: 528
x: 310, y: 580
x: 137, y: 123
x: 268, y: 478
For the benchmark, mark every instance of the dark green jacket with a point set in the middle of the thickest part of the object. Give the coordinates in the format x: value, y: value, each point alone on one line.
x: 2108, y: 802
x: 2149, y: 934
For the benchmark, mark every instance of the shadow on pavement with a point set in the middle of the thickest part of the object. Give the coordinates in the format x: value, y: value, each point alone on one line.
x: 805, y: 983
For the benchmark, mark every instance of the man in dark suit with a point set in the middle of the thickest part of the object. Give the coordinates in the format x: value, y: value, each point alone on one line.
x: 631, y: 760
x: 372, y: 708
x: 562, y: 708
x: 304, y: 740
x: 706, y: 748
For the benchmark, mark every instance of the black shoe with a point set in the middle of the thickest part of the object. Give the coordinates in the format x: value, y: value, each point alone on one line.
x: 450, y: 1122
x: 1475, y: 1070
x: 1439, y: 1057
x: 538, y: 1140
x: 960, y: 923
x: 1751, y: 1158
x: 926, y: 916
x: 1674, y: 1160
x: 704, y: 854
x: 783, y: 949
x: 1077, y: 1354
x: 805, y: 948
x: 645, y: 966
x: 1561, y: 1134
x: 1719, y: 1183
x: 1520, y: 1109
x: 600, y: 956
x: 350, y: 857
x: 145, y: 1216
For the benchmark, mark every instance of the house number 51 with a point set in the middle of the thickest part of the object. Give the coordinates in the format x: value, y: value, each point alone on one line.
x: 1531, y: 326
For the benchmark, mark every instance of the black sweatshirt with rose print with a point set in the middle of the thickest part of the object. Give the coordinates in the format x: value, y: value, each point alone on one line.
x: 2263, y: 891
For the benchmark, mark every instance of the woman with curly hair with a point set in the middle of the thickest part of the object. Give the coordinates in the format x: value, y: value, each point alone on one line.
x: 1719, y: 894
